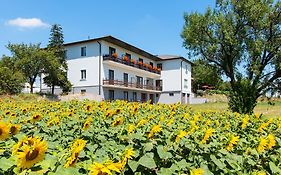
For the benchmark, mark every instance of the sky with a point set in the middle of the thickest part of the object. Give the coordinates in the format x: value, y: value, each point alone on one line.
x: 152, y: 25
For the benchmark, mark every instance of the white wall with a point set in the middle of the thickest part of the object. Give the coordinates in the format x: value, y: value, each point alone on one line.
x: 165, y: 98
x: 171, y: 76
x: 186, y: 74
x: 90, y: 64
x: 74, y: 51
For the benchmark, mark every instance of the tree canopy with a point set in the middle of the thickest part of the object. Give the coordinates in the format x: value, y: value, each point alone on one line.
x: 56, y: 75
x: 31, y: 60
x: 11, y: 79
x: 205, y: 74
x: 242, y: 38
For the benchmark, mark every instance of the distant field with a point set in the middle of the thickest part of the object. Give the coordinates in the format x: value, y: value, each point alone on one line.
x: 261, y: 108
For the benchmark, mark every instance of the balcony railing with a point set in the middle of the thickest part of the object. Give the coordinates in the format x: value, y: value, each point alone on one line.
x: 131, y: 85
x: 133, y: 63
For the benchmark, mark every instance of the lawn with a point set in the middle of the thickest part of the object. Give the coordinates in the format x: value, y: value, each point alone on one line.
x: 262, y: 108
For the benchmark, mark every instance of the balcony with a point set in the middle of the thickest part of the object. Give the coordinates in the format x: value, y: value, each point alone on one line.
x: 131, y: 86
x: 133, y: 64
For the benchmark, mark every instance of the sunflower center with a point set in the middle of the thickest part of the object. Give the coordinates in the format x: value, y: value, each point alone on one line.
x: 36, y: 117
x: 13, y: 129
x: 32, y: 155
x: 1, y: 131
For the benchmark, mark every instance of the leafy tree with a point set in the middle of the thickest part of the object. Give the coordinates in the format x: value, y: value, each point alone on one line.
x: 242, y: 38
x: 205, y: 74
x: 11, y: 79
x: 31, y: 60
x: 56, y: 75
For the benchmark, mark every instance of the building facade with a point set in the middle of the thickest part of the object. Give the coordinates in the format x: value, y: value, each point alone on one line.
x: 114, y: 70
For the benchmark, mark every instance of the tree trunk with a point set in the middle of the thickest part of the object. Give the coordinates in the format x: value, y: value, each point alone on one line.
x: 31, y: 88
x: 53, y: 89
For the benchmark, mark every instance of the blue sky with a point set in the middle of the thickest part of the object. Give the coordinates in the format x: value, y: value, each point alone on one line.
x: 152, y: 25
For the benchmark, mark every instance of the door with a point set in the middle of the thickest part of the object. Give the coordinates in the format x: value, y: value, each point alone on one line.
x: 126, y: 95
x: 139, y: 82
x: 111, y: 95
x: 159, y: 85
x: 111, y: 76
x: 151, y: 98
x: 183, y: 98
x: 143, y: 97
x: 125, y: 79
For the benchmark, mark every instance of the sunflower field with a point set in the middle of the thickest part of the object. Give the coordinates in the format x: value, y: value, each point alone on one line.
x: 87, y: 137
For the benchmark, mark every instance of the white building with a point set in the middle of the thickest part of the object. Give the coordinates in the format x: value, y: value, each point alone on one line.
x: 114, y: 69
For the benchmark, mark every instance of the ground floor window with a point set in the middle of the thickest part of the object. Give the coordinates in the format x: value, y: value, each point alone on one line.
x: 83, y: 91
x: 111, y: 94
x: 171, y: 94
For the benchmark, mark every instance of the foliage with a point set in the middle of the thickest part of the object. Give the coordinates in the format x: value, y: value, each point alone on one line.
x: 205, y: 74
x: 132, y: 138
x: 11, y: 80
x: 242, y: 38
x: 56, y: 75
x: 31, y: 60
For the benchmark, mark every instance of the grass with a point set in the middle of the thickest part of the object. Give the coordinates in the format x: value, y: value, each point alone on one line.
x: 261, y: 108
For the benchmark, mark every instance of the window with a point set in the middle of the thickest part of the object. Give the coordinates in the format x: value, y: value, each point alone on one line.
x: 83, y: 91
x: 83, y: 74
x: 111, y: 94
x: 129, y: 57
x: 126, y: 95
x: 186, y: 69
x: 140, y: 60
x: 151, y: 64
x: 159, y: 66
x: 125, y: 79
x: 135, y: 98
x: 83, y: 51
x: 171, y: 94
x: 185, y: 84
x: 112, y: 51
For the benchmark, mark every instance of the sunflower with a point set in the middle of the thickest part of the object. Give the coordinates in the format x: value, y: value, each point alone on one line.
x: 4, y: 131
x: 31, y: 152
x: 198, y: 171
x: 75, y: 149
x: 129, y: 153
x: 154, y: 129
x: 181, y: 135
x: 14, y: 129
x: 103, y: 169
x: 87, y: 123
x: 36, y: 117
x: 118, y: 121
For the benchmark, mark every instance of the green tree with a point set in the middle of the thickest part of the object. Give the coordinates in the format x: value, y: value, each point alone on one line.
x: 205, y: 74
x: 31, y: 60
x: 11, y: 79
x: 242, y: 38
x: 56, y: 75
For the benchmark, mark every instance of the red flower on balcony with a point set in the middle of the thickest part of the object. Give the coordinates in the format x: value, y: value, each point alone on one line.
x: 155, y: 68
x: 140, y: 63
x: 150, y: 67
x: 115, y: 55
x: 159, y: 69
x: 125, y: 58
x: 133, y: 61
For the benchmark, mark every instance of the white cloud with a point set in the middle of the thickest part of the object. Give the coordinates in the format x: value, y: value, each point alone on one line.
x: 27, y: 23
